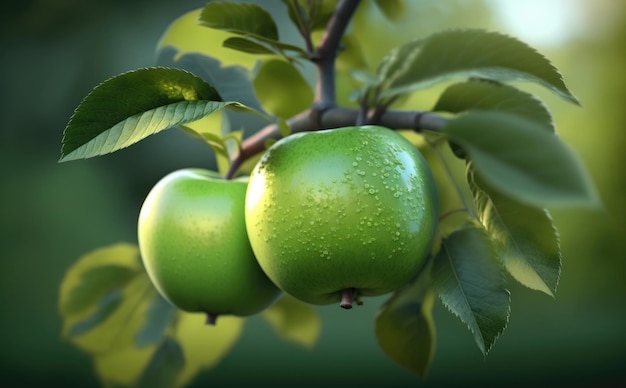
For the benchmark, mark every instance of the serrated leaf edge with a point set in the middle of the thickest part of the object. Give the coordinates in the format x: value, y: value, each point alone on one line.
x: 484, y: 348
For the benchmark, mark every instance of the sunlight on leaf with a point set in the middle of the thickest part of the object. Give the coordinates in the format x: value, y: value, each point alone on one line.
x: 233, y: 82
x: 204, y: 346
x: 525, y: 237
x: 131, y: 106
x: 470, y: 283
x: 294, y: 321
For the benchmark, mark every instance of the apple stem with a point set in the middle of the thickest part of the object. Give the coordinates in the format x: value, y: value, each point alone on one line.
x: 346, y: 298
x: 211, y: 319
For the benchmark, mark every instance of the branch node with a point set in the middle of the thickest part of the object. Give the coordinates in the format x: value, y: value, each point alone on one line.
x: 416, y: 123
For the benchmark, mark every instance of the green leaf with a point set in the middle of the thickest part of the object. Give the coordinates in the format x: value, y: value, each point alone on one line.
x: 187, y: 37
x: 296, y: 9
x: 522, y: 160
x: 107, y: 326
x: 122, y: 325
x: 141, y: 339
x: 165, y: 367
x: 123, y: 365
x: 233, y: 82
x: 105, y: 307
x: 310, y: 15
x: 94, y: 284
x: 204, y: 346
x: 392, y: 9
x: 223, y: 146
x: 239, y: 18
x: 525, y: 237
x: 320, y: 12
x: 159, y: 317
x: 470, y: 283
x: 405, y: 329
x: 489, y: 95
x: 129, y: 107
x: 248, y: 20
x: 281, y: 89
x: 466, y: 53
x: 294, y: 321
x: 91, y: 289
x: 220, y: 148
x: 247, y: 46
x: 125, y: 300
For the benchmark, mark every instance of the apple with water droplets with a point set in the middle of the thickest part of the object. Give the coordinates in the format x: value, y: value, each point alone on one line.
x: 193, y: 242
x: 338, y: 214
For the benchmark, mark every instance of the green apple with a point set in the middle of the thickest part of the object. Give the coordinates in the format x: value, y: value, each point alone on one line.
x: 338, y: 214
x: 193, y: 242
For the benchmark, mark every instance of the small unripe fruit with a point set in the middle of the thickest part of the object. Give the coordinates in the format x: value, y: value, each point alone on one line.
x: 194, y: 245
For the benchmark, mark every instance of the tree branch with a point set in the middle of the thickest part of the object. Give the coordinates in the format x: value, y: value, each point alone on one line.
x: 324, y: 113
x: 327, y: 52
x: 335, y: 117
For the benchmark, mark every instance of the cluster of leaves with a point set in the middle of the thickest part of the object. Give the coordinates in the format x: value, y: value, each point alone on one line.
x: 112, y: 311
x: 516, y: 168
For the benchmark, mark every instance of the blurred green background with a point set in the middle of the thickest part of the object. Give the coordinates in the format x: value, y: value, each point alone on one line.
x: 56, y: 51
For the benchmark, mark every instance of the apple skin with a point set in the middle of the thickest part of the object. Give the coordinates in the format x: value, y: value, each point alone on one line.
x: 194, y: 246
x: 353, y: 208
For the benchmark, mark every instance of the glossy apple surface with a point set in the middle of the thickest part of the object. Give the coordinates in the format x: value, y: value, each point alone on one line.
x: 351, y: 209
x: 193, y: 242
